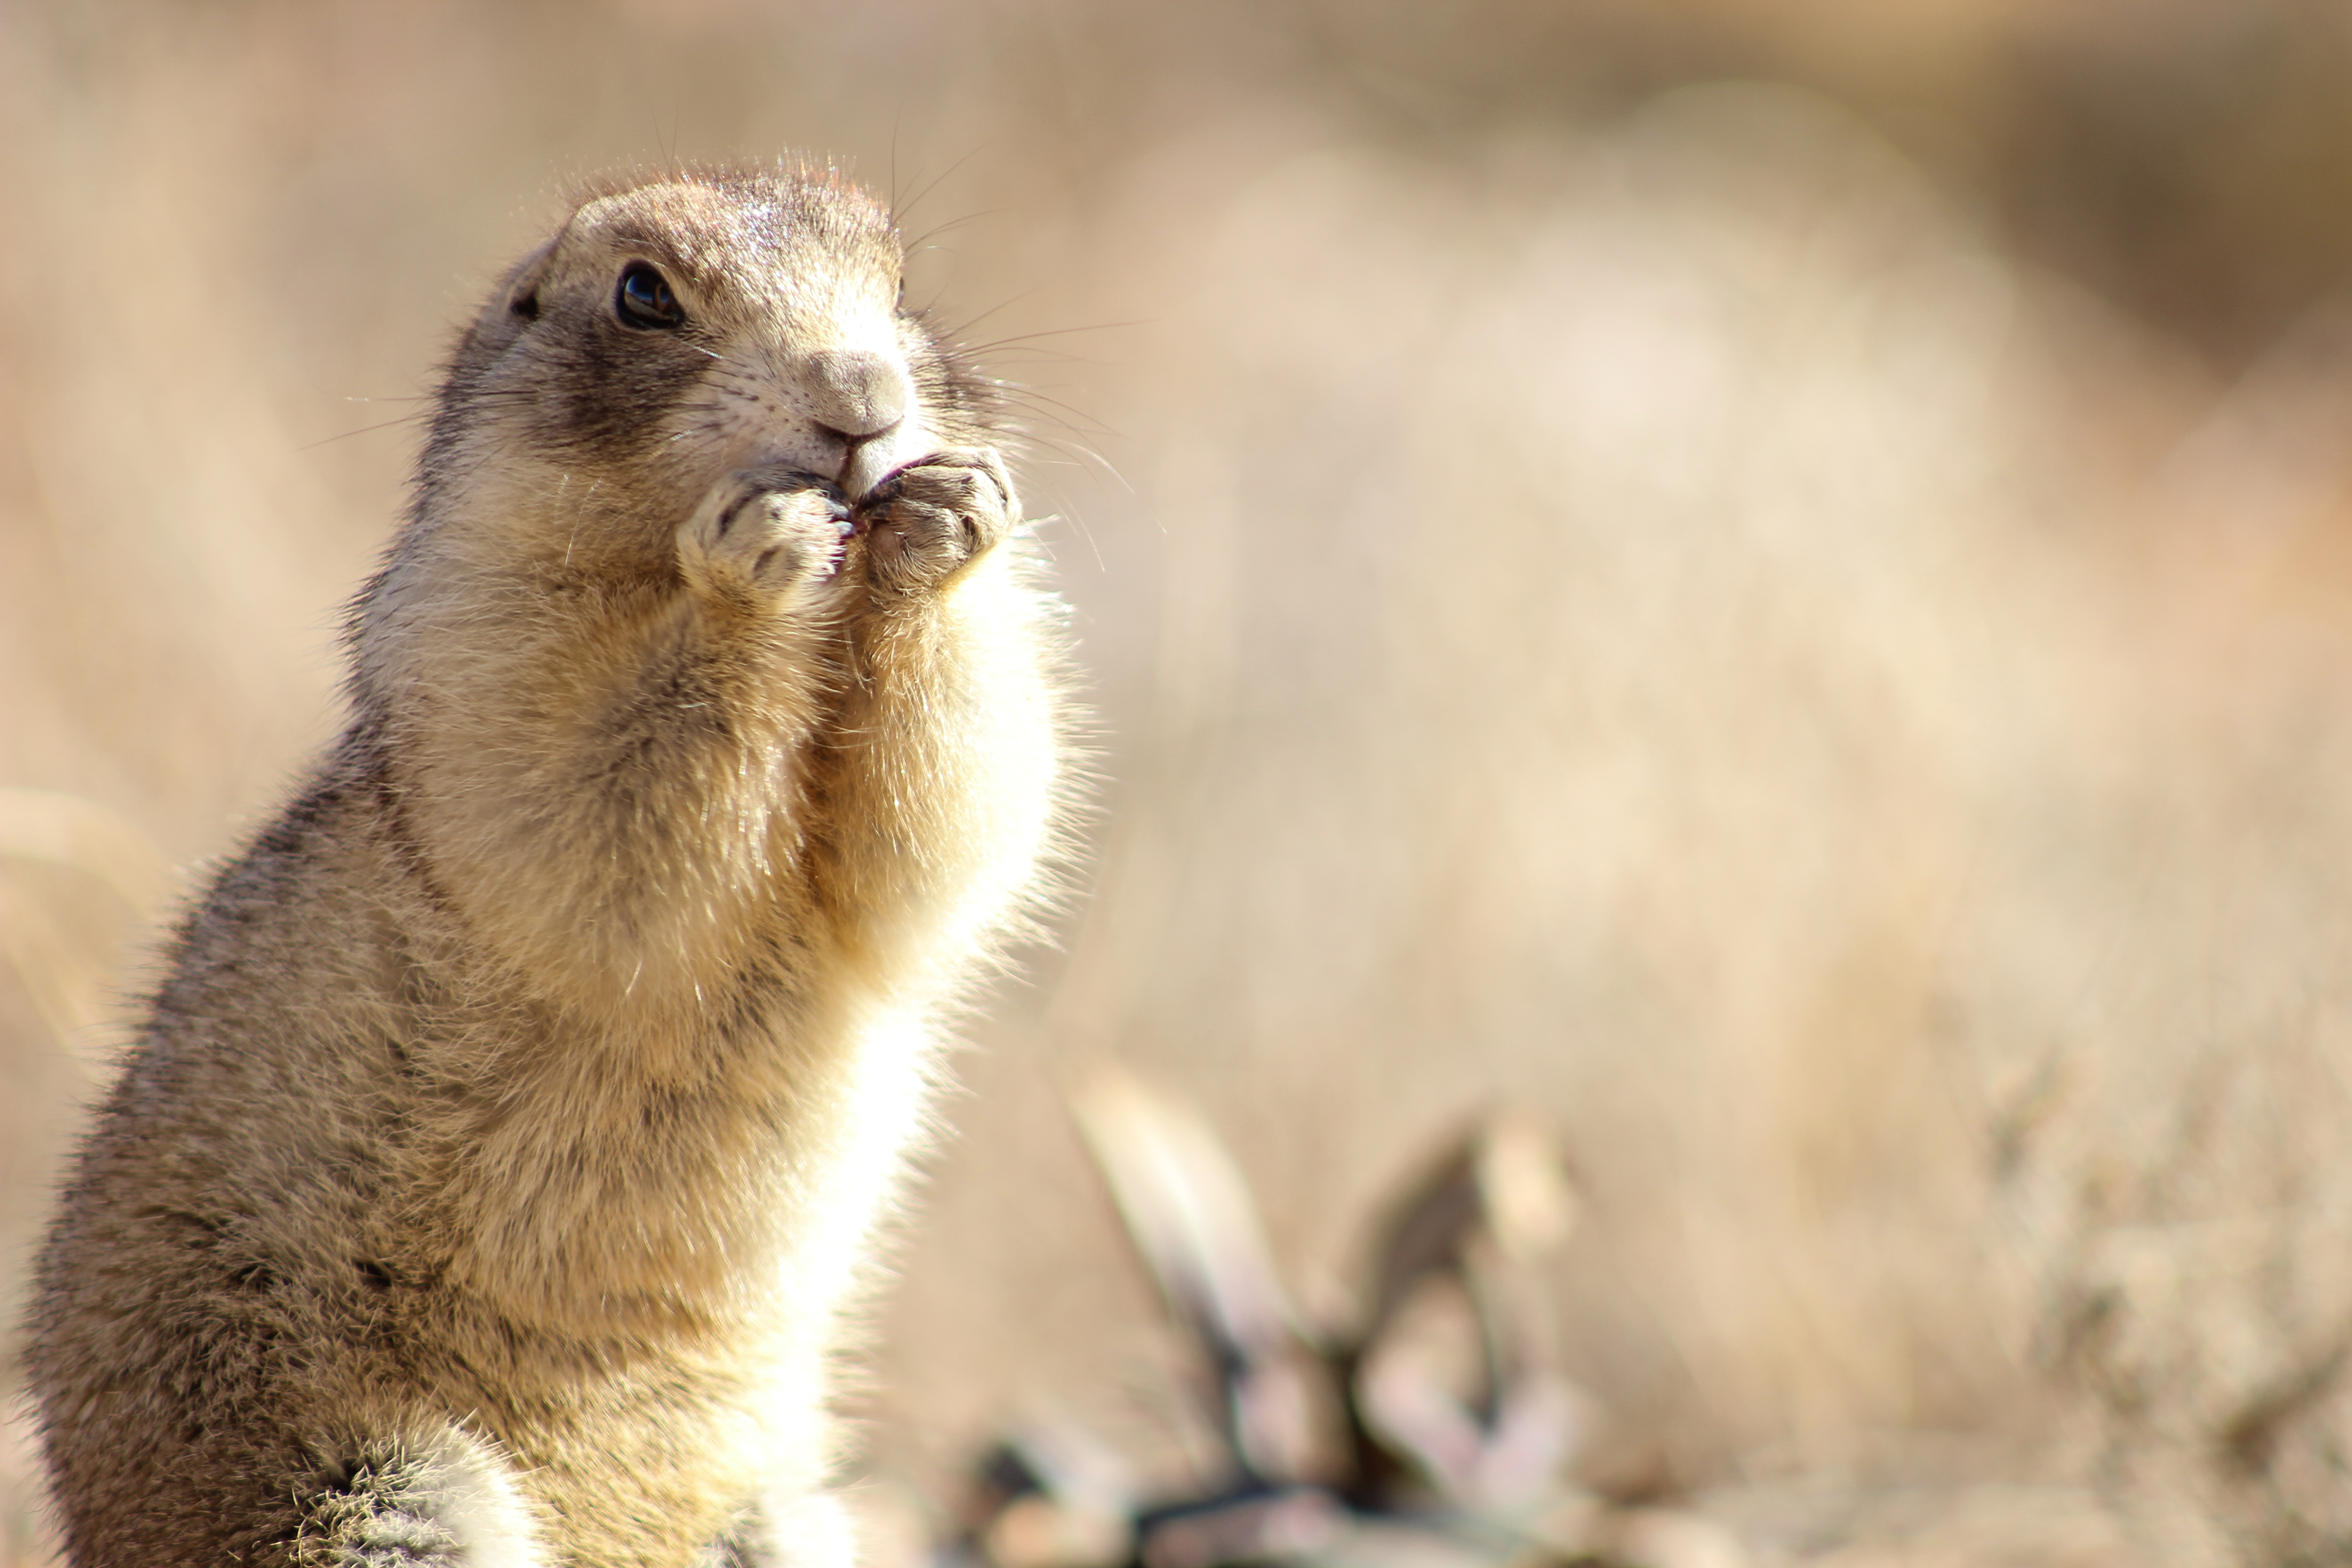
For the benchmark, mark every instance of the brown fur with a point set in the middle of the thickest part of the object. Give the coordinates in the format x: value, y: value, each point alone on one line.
x: 511, y: 1120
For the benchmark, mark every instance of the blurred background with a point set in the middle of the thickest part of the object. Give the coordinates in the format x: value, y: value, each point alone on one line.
x: 1768, y: 583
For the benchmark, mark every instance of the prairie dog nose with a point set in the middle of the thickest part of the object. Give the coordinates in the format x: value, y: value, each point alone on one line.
x: 856, y: 392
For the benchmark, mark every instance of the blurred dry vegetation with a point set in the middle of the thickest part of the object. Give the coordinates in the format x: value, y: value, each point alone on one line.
x: 1769, y: 582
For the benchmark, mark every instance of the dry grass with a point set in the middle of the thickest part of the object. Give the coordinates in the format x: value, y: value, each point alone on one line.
x: 1632, y: 604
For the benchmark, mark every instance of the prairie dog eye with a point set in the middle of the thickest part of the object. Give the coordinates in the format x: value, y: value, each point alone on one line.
x: 645, y: 299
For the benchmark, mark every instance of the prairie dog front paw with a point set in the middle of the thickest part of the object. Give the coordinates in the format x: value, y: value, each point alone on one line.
x: 925, y: 521
x: 761, y: 533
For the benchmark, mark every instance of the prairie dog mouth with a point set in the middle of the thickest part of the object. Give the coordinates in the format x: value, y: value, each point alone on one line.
x: 790, y: 479
x: 867, y: 466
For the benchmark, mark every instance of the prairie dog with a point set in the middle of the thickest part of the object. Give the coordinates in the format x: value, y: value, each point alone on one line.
x: 514, y: 1111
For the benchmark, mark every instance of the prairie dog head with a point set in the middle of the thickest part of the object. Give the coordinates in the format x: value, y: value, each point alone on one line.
x: 673, y: 331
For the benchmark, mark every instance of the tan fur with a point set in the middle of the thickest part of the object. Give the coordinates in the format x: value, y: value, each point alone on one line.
x: 514, y: 1112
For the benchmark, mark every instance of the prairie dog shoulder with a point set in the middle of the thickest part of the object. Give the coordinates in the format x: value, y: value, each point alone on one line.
x: 515, y: 1109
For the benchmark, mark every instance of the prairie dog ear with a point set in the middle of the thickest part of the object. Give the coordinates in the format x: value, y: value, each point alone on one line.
x: 520, y: 297
x: 514, y: 304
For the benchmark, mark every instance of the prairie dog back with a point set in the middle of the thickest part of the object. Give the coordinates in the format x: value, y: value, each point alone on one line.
x: 514, y: 1111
